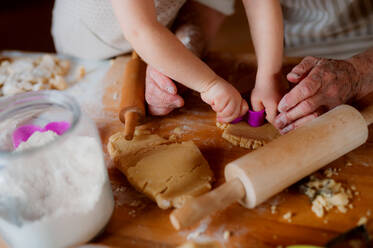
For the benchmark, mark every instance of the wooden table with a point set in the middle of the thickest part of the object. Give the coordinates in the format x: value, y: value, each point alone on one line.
x: 137, y: 222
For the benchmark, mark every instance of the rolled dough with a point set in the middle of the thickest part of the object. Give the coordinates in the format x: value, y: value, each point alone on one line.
x: 169, y: 173
x: 243, y: 135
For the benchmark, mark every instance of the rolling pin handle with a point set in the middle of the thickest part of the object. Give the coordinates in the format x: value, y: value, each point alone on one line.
x: 196, y: 209
x: 131, y: 118
x: 368, y: 114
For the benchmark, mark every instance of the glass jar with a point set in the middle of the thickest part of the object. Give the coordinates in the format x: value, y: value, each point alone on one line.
x: 53, y: 194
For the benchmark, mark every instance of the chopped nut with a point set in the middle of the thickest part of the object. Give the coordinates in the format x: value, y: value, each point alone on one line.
x: 348, y: 164
x: 362, y: 221
x: 222, y: 125
x: 80, y: 72
x: 326, y: 194
x: 58, y: 83
x: 273, y: 209
x: 226, y: 235
x: 32, y: 74
x: 288, y: 216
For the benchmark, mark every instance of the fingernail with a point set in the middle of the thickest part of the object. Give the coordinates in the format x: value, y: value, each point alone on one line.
x: 282, y: 106
x: 171, y: 90
x: 280, y: 121
x: 294, y: 75
x: 178, y: 104
x: 287, y: 129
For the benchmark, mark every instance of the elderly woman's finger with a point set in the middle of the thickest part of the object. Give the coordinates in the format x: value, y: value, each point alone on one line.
x: 301, y: 70
x: 163, y: 82
x: 305, y: 89
x: 157, y: 97
x: 159, y: 111
x: 298, y: 123
x: 304, y: 108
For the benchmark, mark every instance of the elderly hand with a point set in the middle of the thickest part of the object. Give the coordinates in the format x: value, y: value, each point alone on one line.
x: 322, y: 84
x: 161, y: 93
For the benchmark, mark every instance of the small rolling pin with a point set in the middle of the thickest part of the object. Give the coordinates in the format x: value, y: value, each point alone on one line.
x: 132, y: 102
x: 257, y: 176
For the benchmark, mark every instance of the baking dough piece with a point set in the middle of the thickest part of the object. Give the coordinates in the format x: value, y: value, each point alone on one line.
x: 243, y: 135
x: 167, y: 173
x: 128, y: 153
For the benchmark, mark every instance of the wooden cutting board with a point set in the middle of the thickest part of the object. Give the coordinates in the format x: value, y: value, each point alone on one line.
x: 137, y: 222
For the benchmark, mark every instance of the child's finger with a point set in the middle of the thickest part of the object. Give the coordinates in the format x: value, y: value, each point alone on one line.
x: 257, y: 104
x: 271, y: 112
x: 163, y: 82
x: 229, y: 113
x: 244, y: 107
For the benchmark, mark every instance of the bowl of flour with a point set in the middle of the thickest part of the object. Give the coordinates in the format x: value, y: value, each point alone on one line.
x: 54, y: 188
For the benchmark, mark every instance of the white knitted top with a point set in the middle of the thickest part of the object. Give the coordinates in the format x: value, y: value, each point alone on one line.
x: 89, y: 29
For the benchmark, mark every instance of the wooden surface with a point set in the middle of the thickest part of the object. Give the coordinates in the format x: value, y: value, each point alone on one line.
x: 137, y: 222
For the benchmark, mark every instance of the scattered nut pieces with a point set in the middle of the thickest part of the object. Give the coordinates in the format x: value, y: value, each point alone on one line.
x: 222, y: 126
x: 331, y: 172
x: 243, y: 142
x: 273, y: 209
x: 288, y: 216
x: 177, y: 131
x: 226, y: 235
x: 32, y: 74
x: 132, y: 213
x: 326, y: 194
x: 362, y: 221
x: 80, y: 73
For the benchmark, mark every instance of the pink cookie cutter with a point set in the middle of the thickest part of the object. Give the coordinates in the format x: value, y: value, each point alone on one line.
x: 23, y: 133
x: 253, y: 118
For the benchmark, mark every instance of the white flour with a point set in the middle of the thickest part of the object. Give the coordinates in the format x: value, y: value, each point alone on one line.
x: 55, y: 198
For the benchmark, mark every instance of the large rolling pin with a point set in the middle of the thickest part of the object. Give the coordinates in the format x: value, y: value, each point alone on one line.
x: 132, y: 102
x: 257, y: 176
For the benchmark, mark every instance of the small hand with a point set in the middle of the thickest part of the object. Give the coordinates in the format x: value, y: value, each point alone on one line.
x: 322, y: 84
x: 225, y: 100
x: 266, y: 95
x: 161, y: 93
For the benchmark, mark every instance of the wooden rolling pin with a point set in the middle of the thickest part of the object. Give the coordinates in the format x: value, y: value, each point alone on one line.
x: 132, y: 102
x: 257, y: 176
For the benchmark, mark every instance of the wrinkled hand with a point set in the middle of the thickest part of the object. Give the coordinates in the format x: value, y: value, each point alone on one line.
x: 322, y: 84
x: 266, y: 95
x: 225, y: 100
x: 161, y: 93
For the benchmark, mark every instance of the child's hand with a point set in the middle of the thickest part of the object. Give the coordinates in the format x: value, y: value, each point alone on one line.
x: 266, y: 95
x: 225, y: 100
x: 161, y: 93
